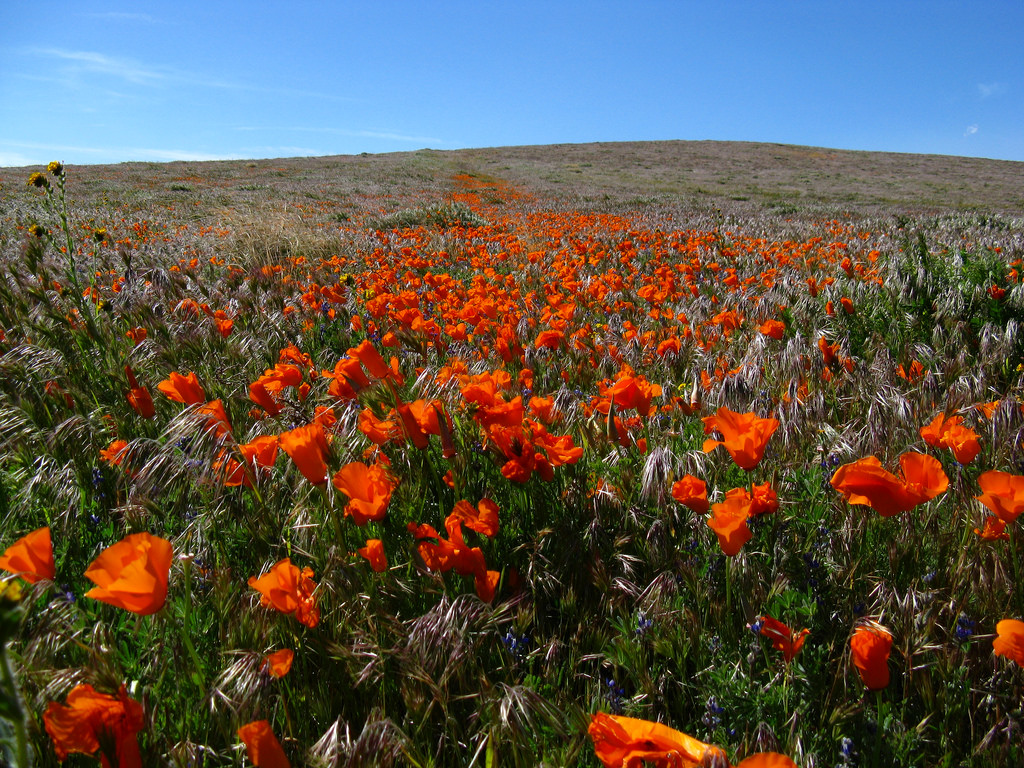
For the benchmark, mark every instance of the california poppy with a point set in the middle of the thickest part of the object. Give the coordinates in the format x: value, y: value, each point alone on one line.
x: 89, y: 721
x: 766, y: 760
x: 729, y: 522
x: 775, y: 329
x: 287, y: 589
x: 482, y: 519
x: 262, y: 746
x: 744, y: 435
x: 783, y: 638
x: 870, y: 646
x: 214, y: 418
x: 30, y: 557
x: 307, y: 447
x: 866, y: 482
x: 1010, y: 640
x: 950, y: 433
x: 279, y: 663
x: 139, y: 397
x: 132, y: 574
x: 374, y: 554
x: 113, y: 453
x: 626, y: 742
x: 368, y: 489
x: 183, y: 389
x: 1003, y: 493
x: 691, y: 492
x: 258, y: 453
x: 994, y: 529
x: 379, y: 431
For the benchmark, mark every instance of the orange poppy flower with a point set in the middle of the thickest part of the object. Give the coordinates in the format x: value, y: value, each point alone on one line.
x: 132, y: 574
x: 379, y: 431
x: 279, y: 663
x: 847, y: 305
x: 775, y: 329
x: 112, y: 454
x: 626, y: 742
x: 950, y: 433
x: 764, y: 501
x: 691, y: 492
x: 289, y: 590
x: 31, y: 557
x: 729, y: 522
x: 870, y: 646
x: 993, y: 530
x: 215, y: 418
x: 374, y: 363
x: 139, y: 397
x: 486, y: 584
x: 1010, y: 640
x: 1003, y: 493
x: 368, y: 489
x: 744, y: 435
x: 260, y: 452
x: 914, y: 372
x: 374, y: 554
x: 307, y: 447
x: 632, y: 391
x: 766, y: 760
x: 865, y: 482
x: 89, y: 721
x: 262, y: 746
x: 137, y: 335
x: 783, y: 638
x: 483, y: 519
x: 183, y: 389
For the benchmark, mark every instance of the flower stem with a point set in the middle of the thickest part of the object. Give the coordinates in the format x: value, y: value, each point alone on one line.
x: 18, y: 720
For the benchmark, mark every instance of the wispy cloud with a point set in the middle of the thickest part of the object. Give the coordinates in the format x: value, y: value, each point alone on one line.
x: 14, y: 159
x: 46, y: 152
x: 971, y: 130
x: 987, y: 90
x: 91, y: 61
x: 138, y: 73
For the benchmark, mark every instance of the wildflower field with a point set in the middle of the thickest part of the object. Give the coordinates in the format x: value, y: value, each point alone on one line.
x: 330, y: 463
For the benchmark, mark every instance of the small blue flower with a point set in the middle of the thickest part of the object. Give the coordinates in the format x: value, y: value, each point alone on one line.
x: 964, y: 628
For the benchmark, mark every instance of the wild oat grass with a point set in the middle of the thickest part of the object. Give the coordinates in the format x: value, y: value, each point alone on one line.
x: 555, y: 358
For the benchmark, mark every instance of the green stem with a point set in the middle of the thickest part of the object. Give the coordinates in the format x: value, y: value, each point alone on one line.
x: 18, y: 722
x: 187, y: 634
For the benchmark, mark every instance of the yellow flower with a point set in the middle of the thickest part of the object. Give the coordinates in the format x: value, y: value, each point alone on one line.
x: 10, y: 590
x: 57, y: 169
x: 38, y: 180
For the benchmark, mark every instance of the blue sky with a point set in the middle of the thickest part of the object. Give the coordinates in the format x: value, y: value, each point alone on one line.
x: 103, y: 82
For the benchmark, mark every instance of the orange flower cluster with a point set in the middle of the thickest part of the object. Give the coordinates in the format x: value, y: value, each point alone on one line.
x: 783, y: 638
x: 729, y: 518
x: 90, y: 721
x: 870, y: 646
x: 950, y: 433
x: 866, y: 482
x: 440, y: 554
x: 132, y: 574
x: 31, y: 557
x: 1003, y: 493
x: 626, y: 742
x: 744, y: 435
x: 288, y: 590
